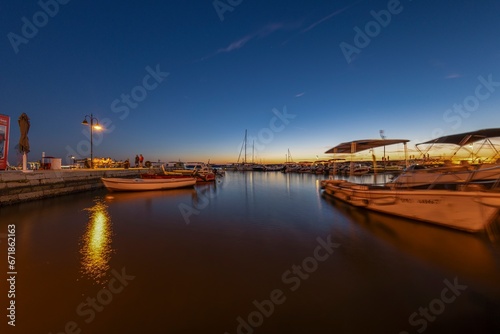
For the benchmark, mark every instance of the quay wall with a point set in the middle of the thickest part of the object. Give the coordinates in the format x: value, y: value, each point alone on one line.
x: 19, y: 186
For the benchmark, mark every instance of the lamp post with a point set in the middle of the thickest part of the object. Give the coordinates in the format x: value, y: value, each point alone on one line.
x: 92, y: 126
x: 382, y: 135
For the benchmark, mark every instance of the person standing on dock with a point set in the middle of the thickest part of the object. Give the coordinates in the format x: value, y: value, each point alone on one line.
x: 136, y: 161
x: 141, y: 160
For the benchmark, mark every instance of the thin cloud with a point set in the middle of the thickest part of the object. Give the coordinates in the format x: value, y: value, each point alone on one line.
x: 236, y: 45
x: 300, y: 94
x: 267, y: 30
x: 326, y: 18
x: 453, y: 76
x: 264, y: 32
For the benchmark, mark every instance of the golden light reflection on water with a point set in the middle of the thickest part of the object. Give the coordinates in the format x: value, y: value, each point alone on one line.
x: 96, y: 246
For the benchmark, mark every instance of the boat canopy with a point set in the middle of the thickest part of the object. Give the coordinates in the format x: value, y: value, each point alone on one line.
x: 465, y: 138
x: 364, y: 144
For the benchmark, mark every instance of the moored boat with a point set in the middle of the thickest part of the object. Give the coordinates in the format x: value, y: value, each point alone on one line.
x: 201, y: 171
x: 456, y: 198
x: 483, y: 172
x: 123, y: 184
x: 467, y: 209
x: 166, y: 176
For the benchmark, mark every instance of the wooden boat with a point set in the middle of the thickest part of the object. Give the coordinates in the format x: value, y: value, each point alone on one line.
x: 168, y: 175
x: 122, y: 184
x: 202, y: 172
x: 464, y: 203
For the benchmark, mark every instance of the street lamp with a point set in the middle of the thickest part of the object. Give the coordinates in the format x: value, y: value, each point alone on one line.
x: 382, y: 135
x: 92, y: 126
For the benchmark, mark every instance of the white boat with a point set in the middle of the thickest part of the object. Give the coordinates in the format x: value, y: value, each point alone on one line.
x: 358, y: 169
x: 442, y: 176
x: 446, y: 174
x: 203, y: 172
x: 460, y: 204
x: 467, y: 209
x: 123, y: 184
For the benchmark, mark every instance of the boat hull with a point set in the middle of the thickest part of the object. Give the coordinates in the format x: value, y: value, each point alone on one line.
x: 166, y: 176
x: 208, y: 177
x: 469, y: 211
x: 121, y: 184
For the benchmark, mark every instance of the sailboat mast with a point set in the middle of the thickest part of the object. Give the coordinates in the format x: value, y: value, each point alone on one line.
x: 245, y: 160
x: 253, y: 147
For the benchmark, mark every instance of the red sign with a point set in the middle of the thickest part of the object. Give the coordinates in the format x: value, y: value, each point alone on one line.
x: 4, y: 140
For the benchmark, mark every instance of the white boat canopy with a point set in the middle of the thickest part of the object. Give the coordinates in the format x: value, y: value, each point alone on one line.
x: 463, y: 140
x: 364, y: 144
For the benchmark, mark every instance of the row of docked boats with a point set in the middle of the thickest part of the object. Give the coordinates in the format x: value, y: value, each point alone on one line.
x: 334, y: 167
x: 319, y: 167
x: 173, y: 176
x: 462, y: 196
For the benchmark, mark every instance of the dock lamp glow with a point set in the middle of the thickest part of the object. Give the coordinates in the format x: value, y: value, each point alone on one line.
x: 92, y: 127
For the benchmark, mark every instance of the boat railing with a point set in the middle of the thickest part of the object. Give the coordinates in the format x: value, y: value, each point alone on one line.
x: 449, y: 177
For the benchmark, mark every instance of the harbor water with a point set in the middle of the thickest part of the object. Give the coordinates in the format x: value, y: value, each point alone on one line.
x: 254, y: 252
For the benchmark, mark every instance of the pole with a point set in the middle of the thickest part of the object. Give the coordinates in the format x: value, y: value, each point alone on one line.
x: 351, y: 165
x: 91, y: 124
x: 91, y: 143
x: 245, y: 159
x: 385, y: 160
x: 383, y: 136
x: 406, y: 155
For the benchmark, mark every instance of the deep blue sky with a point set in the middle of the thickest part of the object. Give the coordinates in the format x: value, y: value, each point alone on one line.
x: 224, y: 76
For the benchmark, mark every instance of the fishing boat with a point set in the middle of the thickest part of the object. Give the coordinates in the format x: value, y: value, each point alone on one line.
x: 469, y: 205
x: 258, y: 168
x: 166, y: 176
x: 123, y: 184
x: 201, y: 171
x: 358, y: 169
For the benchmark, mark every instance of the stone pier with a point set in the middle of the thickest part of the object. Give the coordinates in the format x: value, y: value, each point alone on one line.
x: 18, y: 186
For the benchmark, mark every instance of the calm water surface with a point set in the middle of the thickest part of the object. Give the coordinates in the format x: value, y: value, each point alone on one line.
x: 252, y: 253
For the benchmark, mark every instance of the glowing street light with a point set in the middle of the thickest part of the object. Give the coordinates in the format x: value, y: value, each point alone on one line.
x: 92, y: 126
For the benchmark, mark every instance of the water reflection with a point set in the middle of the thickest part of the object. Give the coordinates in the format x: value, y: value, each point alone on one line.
x: 379, y: 178
x: 467, y: 255
x: 96, y: 247
x: 203, y: 194
x: 147, y: 197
